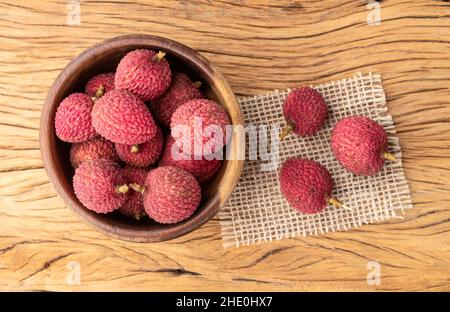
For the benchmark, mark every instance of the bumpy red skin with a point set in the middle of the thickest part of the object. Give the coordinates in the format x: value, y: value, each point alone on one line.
x: 105, y: 80
x: 73, y: 122
x: 96, y: 148
x: 211, y: 114
x: 202, y: 169
x: 122, y: 117
x: 358, y: 143
x: 143, y: 76
x: 134, y: 205
x: 171, y: 194
x: 148, y: 153
x: 95, y: 183
x: 306, y: 185
x: 306, y: 110
x: 181, y: 90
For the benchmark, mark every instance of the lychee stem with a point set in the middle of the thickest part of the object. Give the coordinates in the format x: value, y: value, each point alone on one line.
x: 122, y: 188
x: 159, y: 56
x: 286, y: 130
x: 335, y: 202
x: 389, y: 156
x: 197, y: 84
x: 137, y: 187
x: 135, y: 148
x: 100, y: 92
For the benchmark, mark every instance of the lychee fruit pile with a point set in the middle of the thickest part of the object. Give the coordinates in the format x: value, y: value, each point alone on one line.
x: 358, y: 143
x: 125, y: 160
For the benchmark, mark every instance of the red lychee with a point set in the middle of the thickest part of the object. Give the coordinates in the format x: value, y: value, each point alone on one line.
x: 305, y: 112
x: 73, y: 122
x: 202, y: 169
x: 104, y: 82
x: 100, y: 185
x: 134, y: 205
x: 96, y: 148
x: 360, y: 145
x: 307, y: 185
x: 144, y: 154
x: 181, y: 90
x: 122, y: 117
x: 171, y: 194
x: 144, y: 73
x: 202, y: 125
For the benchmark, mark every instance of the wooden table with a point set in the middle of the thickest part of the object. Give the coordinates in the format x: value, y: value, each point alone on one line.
x: 258, y: 46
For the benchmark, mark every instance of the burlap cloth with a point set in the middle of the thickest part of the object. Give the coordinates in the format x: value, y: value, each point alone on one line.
x: 257, y: 211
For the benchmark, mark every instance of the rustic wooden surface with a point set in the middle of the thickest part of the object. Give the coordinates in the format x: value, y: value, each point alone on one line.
x: 258, y: 46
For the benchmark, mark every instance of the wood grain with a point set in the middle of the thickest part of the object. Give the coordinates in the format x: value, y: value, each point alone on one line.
x: 258, y: 46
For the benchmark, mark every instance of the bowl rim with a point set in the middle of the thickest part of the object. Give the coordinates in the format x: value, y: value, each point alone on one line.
x: 49, y: 154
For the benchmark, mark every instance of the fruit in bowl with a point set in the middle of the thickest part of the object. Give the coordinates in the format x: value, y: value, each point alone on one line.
x: 99, y: 137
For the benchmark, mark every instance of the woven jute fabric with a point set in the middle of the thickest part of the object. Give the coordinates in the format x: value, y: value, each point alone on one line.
x: 257, y: 211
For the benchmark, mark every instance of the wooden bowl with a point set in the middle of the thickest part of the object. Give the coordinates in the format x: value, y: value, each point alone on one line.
x: 104, y: 57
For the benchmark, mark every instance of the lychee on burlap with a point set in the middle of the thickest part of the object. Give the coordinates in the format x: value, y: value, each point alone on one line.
x: 257, y: 211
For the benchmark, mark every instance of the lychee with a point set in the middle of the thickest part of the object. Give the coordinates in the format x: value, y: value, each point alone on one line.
x: 96, y: 148
x: 144, y: 73
x: 103, y: 82
x: 360, y: 145
x: 305, y: 112
x: 73, y: 122
x: 100, y: 185
x: 201, y: 125
x: 144, y: 154
x: 307, y: 185
x: 171, y: 194
x: 122, y: 117
x: 202, y: 169
x: 134, y: 205
x: 181, y: 90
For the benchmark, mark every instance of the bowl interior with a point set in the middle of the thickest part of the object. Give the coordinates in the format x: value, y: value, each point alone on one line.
x: 104, y: 58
